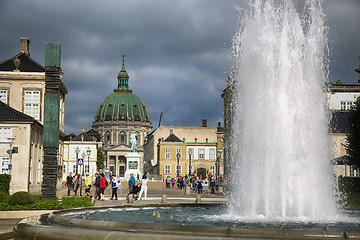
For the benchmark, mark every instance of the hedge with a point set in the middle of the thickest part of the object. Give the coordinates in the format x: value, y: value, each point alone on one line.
x: 349, y: 185
x: 5, y: 183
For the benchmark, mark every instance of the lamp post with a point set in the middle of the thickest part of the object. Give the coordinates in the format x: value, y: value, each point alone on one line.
x: 77, y: 151
x: 217, y: 164
x: 177, y: 170
x: 88, y: 151
x: 83, y: 156
x: 10, y: 153
x: 190, y: 153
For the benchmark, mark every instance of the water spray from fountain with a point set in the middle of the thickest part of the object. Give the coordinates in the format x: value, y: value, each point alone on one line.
x: 279, y: 143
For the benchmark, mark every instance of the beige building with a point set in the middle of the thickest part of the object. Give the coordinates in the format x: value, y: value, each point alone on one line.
x: 174, y: 150
x: 22, y: 87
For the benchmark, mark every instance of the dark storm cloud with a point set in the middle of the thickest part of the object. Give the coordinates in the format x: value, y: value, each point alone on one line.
x: 177, y: 52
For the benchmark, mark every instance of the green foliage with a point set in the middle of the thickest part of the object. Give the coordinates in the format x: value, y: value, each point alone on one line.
x: 349, y: 185
x: 5, y: 183
x: 4, y: 197
x: 100, y: 159
x: 352, y: 200
x: 45, y: 204
x: 21, y: 198
x: 74, y: 202
x: 353, y: 137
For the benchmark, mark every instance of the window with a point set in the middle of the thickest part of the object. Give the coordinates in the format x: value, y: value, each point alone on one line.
x: 167, y: 153
x: 178, y: 151
x: 201, y: 154
x: 212, y: 170
x: 346, y: 105
x: 3, y: 96
x: 178, y: 169
x: 167, y: 169
x: 32, y: 104
x: 5, y: 133
x: 212, y: 153
x: 64, y: 168
x: 75, y: 169
x: 122, y: 137
x: 354, y: 172
x: 4, y: 165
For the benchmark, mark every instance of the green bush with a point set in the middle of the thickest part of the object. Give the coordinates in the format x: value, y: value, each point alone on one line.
x: 21, y: 198
x: 349, y: 185
x: 5, y: 183
x: 4, y: 197
x: 75, y: 202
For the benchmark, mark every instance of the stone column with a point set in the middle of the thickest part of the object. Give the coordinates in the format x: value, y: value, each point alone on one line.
x: 51, y: 120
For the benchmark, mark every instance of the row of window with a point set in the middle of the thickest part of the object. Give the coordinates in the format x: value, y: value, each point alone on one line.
x: 346, y: 105
x: 167, y: 169
x: 201, y: 153
x: 31, y: 102
x: 5, y: 134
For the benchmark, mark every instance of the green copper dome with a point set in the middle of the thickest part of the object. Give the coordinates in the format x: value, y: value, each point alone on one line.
x: 122, y: 104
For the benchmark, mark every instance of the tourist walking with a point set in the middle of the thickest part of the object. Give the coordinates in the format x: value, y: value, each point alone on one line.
x: 88, y: 185
x: 114, y: 187
x: 199, y: 185
x: 173, y: 182
x: 77, y: 184
x: 212, y: 187
x: 144, y: 181
x: 69, y: 182
x: 103, y: 185
x: 97, y: 186
x: 132, y: 183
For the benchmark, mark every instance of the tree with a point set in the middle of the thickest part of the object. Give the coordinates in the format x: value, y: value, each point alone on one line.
x: 353, y: 136
x: 100, y: 159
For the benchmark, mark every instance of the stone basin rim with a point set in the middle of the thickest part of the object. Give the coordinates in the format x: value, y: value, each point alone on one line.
x: 109, y: 229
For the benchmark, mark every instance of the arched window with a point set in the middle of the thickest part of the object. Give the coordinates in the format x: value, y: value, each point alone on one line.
x: 122, y: 137
x: 107, y: 137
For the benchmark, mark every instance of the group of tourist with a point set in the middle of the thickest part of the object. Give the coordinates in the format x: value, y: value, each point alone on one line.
x: 198, y: 184
x: 100, y: 183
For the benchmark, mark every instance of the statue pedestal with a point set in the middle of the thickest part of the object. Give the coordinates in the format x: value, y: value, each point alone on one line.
x: 132, y: 164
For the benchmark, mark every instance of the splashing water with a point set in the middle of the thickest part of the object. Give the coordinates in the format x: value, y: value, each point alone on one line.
x: 279, y: 139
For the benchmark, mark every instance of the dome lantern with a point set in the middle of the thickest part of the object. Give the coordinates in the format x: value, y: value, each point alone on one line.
x: 123, y: 78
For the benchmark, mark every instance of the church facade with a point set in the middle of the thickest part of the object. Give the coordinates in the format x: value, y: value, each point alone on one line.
x: 120, y: 115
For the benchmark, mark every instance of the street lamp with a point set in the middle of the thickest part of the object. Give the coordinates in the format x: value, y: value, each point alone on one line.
x: 83, y: 156
x: 217, y: 163
x: 190, y: 153
x: 10, y: 153
x: 177, y: 170
x: 77, y: 151
x: 88, y: 151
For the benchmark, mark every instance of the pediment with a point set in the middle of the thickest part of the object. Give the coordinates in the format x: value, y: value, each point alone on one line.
x: 120, y: 148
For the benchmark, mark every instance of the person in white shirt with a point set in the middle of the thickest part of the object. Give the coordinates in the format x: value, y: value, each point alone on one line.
x: 144, y: 181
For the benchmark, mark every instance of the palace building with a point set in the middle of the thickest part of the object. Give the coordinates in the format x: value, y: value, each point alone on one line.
x: 22, y: 90
x: 118, y: 115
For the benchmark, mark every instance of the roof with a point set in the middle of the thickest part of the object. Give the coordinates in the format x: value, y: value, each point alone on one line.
x: 339, y: 122
x: 88, y: 136
x: 172, y: 138
x: 27, y: 64
x: 8, y: 113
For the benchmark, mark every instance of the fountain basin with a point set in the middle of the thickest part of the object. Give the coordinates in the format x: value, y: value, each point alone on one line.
x: 64, y: 225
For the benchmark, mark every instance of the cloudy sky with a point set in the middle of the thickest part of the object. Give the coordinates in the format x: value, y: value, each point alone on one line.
x: 177, y: 53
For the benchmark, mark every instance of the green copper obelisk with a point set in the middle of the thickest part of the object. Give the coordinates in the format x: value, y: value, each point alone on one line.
x: 51, y: 119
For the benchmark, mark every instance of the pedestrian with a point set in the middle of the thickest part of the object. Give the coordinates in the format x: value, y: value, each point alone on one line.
x: 144, y: 181
x: 217, y: 182
x: 212, y: 187
x: 173, y: 182
x: 199, y: 185
x: 77, y: 184
x: 69, y: 182
x: 114, y: 187
x: 97, y: 186
x: 181, y: 182
x: 88, y: 185
x: 132, y: 183
x: 168, y: 180
x: 103, y: 185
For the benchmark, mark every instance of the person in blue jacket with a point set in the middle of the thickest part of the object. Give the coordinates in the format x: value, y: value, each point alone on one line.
x: 132, y: 182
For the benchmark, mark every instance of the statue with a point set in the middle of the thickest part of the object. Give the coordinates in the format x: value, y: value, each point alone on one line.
x: 133, y: 141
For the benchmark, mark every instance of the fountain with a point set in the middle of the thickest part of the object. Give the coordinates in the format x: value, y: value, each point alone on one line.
x: 280, y: 145
x: 281, y: 179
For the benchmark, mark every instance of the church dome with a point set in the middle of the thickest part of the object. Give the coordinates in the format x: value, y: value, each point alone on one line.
x: 122, y: 104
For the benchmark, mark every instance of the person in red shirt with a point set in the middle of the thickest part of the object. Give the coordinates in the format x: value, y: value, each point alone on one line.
x: 102, y: 186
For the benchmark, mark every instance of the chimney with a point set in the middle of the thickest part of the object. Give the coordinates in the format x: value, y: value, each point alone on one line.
x: 25, y: 45
x: 83, y: 130
x: 171, y: 131
x: 204, y: 123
